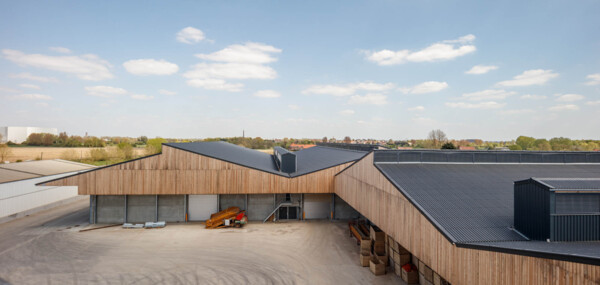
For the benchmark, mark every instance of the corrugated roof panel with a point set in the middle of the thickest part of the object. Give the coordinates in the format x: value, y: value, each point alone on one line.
x: 571, y: 184
x: 474, y: 202
x: 46, y: 167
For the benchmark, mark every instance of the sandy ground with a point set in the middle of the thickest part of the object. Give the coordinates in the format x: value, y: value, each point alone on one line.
x: 32, y: 153
x: 47, y: 248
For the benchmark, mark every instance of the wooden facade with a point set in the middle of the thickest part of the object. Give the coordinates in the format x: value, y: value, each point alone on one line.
x: 369, y: 192
x: 176, y: 171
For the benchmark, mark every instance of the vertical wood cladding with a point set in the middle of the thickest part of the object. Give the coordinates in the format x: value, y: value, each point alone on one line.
x: 368, y: 191
x: 180, y: 172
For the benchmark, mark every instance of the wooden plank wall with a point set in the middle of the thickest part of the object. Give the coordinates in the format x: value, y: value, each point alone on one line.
x: 180, y: 172
x: 369, y: 192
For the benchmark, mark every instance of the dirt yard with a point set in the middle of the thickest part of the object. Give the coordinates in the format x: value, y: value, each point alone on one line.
x: 48, y: 248
x: 32, y: 153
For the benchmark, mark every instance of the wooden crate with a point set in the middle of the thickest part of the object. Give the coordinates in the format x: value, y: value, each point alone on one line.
x: 365, y: 244
x: 401, y: 249
x: 379, y: 247
x: 365, y: 256
x: 401, y: 258
x: 377, y: 267
x: 436, y: 279
x: 415, y: 261
x: 426, y: 271
x: 410, y: 277
x: 383, y: 258
x: 398, y: 269
x: 377, y: 235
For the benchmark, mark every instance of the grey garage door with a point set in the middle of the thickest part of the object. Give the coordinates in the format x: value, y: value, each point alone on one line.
x: 317, y: 206
x: 259, y: 206
x: 110, y: 209
x: 141, y: 208
x: 171, y: 208
x: 200, y: 207
x: 232, y: 200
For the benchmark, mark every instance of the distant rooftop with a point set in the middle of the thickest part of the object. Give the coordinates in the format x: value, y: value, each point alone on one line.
x: 30, y: 169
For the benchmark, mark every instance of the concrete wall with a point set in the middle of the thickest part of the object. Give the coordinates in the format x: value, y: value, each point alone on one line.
x: 110, y: 209
x: 23, y: 196
x: 232, y: 200
x: 343, y: 211
x: 259, y: 206
x: 141, y: 208
x: 171, y: 208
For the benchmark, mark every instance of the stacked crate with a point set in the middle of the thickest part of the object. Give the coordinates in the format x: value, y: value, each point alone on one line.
x: 399, y: 257
x: 378, y: 238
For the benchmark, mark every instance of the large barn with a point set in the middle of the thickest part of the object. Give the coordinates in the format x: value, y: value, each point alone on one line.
x: 472, y: 217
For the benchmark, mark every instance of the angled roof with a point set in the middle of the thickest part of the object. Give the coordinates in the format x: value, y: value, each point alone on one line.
x: 472, y: 203
x: 318, y: 157
x: 29, y: 169
x: 308, y: 160
x: 231, y: 153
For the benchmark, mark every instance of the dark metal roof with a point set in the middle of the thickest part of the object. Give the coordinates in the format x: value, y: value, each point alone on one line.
x: 461, y: 156
x: 566, y: 184
x: 308, y: 160
x: 352, y: 146
x: 473, y: 203
x: 317, y: 158
x: 232, y: 153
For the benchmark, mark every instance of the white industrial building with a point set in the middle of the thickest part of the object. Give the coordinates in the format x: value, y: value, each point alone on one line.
x: 20, y: 134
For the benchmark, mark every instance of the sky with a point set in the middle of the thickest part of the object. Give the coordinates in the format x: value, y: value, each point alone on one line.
x: 492, y: 70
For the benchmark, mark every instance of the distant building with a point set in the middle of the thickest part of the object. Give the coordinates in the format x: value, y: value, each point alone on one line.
x: 296, y: 146
x: 20, y: 134
x: 404, y: 147
x: 466, y: 148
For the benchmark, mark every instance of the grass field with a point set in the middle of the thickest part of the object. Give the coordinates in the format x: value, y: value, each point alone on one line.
x: 33, y: 153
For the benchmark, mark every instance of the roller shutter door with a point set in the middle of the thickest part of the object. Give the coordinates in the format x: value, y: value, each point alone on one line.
x: 171, y: 208
x: 201, y: 207
x: 317, y: 206
x: 110, y: 209
x: 141, y: 208
x: 259, y: 206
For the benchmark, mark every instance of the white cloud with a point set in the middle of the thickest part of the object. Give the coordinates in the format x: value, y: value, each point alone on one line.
x: 593, y: 103
x: 594, y: 79
x: 215, y: 84
x: 150, y: 66
x: 445, y: 50
x: 267, y: 94
x: 564, y: 107
x: 347, y: 112
x: 239, y: 62
x: 369, y: 99
x: 417, y: 108
x: 424, y: 121
x: 30, y: 76
x: 347, y: 89
x: 32, y: 97
x: 489, y: 94
x: 86, y: 67
x: 426, y: 87
x: 42, y: 104
x: 293, y: 107
x: 533, y: 97
x: 104, y: 91
x: 569, y: 97
x: 516, y: 112
x: 190, y: 35
x: 481, y: 69
x: 231, y: 71
x: 8, y: 90
x: 255, y: 53
x: 60, y: 49
x: 481, y: 105
x: 167, y: 92
x: 30, y: 86
x: 530, y: 77
x: 141, y: 97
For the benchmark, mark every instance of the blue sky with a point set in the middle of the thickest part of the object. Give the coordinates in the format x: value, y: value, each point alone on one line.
x: 372, y: 69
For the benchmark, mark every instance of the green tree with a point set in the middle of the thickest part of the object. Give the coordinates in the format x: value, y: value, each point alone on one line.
x: 34, y: 139
x: 515, y: 147
x: 561, y: 143
x: 448, y: 145
x: 542, y: 144
x: 126, y: 150
x: 525, y: 142
x: 154, y: 145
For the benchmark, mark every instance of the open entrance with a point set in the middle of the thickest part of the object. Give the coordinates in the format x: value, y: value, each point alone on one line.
x: 288, y: 213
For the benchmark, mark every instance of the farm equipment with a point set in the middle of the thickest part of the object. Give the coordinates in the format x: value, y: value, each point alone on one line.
x: 230, y: 217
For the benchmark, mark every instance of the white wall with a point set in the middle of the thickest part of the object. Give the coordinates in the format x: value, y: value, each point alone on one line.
x: 20, y: 134
x: 19, y: 196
